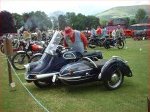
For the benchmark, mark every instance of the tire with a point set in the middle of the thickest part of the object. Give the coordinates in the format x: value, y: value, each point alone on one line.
x: 19, y: 60
x: 120, y: 44
x: 2, y: 48
x: 35, y: 58
x: 106, y: 45
x: 42, y: 83
x: 115, y: 81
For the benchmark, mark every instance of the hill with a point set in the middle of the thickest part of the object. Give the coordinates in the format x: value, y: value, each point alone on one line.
x: 122, y: 11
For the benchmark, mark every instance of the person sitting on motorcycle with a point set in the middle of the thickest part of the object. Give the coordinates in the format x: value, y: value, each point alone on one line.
x: 75, y: 40
x: 119, y: 32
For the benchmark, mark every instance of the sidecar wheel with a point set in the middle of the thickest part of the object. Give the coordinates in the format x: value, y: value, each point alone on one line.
x: 115, y: 81
x: 42, y: 84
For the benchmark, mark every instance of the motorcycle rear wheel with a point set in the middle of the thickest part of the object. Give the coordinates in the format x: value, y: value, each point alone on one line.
x: 35, y: 58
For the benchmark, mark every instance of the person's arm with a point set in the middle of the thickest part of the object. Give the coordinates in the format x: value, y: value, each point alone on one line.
x: 65, y: 44
x: 84, y: 40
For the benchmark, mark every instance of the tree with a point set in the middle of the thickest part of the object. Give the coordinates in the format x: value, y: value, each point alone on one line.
x: 132, y: 21
x: 62, y: 22
x: 37, y: 19
x: 6, y: 23
x: 103, y: 22
x: 18, y: 20
x: 140, y: 15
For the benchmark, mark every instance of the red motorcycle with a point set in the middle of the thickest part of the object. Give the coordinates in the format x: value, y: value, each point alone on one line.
x: 23, y: 57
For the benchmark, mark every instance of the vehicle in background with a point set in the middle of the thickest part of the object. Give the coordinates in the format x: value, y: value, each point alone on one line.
x: 140, y: 31
x: 112, y: 24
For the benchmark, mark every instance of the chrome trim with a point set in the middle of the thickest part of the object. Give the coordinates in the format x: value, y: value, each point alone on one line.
x: 67, y: 78
x: 20, y: 51
x: 41, y: 76
x: 74, y: 57
x: 72, y: 79
x: 76, y: 72
x: 100, y: 76
x: 90, y: 61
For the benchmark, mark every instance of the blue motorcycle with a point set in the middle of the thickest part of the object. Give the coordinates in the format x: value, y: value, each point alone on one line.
x: 58, y: 64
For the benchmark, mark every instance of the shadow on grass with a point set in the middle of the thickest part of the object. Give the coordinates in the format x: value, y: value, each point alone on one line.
x: 78, y: 89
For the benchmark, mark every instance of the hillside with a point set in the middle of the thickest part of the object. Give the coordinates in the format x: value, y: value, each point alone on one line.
x: 123, y: 11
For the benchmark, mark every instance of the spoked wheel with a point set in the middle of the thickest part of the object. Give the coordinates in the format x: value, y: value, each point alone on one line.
x: 107, y: 44
x: 92, y: 43
x: 2, y: 48
x: 19, y: 60
x: 115, y: 81
x: 120, y: 44
x: 42, y: 83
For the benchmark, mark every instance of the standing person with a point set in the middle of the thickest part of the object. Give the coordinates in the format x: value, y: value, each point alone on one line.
x: 93, y: 32
x: 104, y: 33
x: 39, y: 34
x: 98, y: 31
x: 75, y: 40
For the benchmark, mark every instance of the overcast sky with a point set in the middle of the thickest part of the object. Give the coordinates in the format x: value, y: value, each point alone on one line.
x: 86, y: 7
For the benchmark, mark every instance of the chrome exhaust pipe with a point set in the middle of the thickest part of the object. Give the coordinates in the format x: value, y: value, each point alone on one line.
x: 42, y: 76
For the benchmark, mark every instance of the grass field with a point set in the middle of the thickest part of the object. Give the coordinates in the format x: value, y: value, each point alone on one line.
x: 90, y: 97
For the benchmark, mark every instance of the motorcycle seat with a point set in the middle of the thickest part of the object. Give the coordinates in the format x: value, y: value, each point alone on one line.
x: 93, y: 54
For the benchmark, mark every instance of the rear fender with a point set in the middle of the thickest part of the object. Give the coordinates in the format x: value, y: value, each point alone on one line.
x: 114, y: 64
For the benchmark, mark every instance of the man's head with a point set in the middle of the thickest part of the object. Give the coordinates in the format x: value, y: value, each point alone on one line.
x: 118, y: 26
x: 68, y: 32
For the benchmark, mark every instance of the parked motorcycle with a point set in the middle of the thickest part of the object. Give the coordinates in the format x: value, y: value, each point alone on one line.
x: 110, y: 42
x: 69, y: 67
x: 96, y: 41
x: 25, y: 56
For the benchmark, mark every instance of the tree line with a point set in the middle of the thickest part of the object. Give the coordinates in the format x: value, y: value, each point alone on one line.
x: 77, y: 21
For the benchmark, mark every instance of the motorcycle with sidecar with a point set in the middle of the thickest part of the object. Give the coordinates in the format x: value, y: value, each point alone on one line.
x: 58, y: 64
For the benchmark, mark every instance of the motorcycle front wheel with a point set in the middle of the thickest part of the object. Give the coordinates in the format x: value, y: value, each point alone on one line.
x: 42, y: 83
x: 106, y: 44
x: 19, y: 60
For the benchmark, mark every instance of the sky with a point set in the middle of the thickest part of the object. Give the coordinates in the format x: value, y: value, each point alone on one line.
x: 86, y: 7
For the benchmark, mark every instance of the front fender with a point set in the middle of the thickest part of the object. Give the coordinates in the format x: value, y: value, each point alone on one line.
x: 20, y: 51
x: 37, y: 54
x: 114, y: 64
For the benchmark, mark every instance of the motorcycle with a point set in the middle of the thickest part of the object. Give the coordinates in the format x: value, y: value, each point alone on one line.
x: 58, y: 64
x: 96, y: 41
x: 30, y: 50
x: 110, y: 42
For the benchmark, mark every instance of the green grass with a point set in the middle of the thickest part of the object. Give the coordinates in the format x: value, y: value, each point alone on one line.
x: 90, y: 97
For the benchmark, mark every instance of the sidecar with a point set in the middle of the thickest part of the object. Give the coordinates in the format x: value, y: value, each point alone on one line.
x: 111, y: 72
